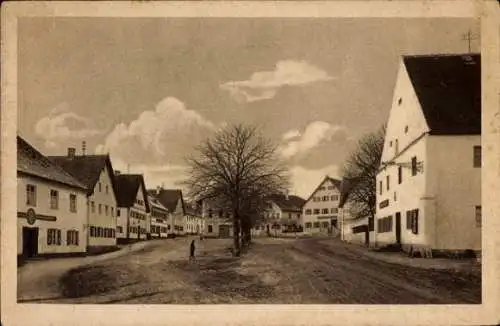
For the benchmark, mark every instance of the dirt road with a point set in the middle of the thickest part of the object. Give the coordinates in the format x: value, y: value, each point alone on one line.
x: 272, y: 271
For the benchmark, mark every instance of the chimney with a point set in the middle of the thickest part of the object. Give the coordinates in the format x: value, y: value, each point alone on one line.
x: 84, y: 147
x: 286, y: 194
x: 117, y: 172
x: 158, y: 188
x: 71, y: 152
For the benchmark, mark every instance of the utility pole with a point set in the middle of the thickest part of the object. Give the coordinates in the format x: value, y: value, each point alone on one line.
x: 468, y: 37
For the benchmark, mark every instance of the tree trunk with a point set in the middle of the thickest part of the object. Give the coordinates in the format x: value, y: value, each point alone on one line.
x: 236, y: 234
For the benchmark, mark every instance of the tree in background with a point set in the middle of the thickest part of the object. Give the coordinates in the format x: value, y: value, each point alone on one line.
x: 360, y: 170
x: 238, y: 169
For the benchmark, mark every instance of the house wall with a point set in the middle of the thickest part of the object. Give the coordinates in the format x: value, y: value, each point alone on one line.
x: 159, y: 219
x: 139, y: 217
x: 456, y: 185
x: 121, y: 223
x: 65, y: 220
x: 349, y: 236
x: 102, y: 219
x: 312, y: 204
x: 178, y: 221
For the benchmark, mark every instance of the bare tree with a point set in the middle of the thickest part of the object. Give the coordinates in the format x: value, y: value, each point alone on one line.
x: 360, y: 170
x: 236, y: 168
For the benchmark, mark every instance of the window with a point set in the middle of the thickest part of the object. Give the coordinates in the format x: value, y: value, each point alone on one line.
x: 100, y: 232
x: 106, y: 210
x: 72, y: 203
x: 210, y: 229
x: 100, y: 186
x: 400, y: 174
x: 316, y: 225
x: 72, y: 238
x: 316, y: 211
x: 477, y: 156
x: 325, y: 198
x: 325, y: 225
x: 406, y: 129
x: 92, y: 231
x: 99, y: 209
x: 53, y: 237
x: 414, y: 166
x: 412, y: 220
x: 396, y: 146
x: 112, y: 212
x: 395, y: 197
x: 210, y: 213
x: 54, y: 199
x: 335, y: 197
x: 308, y: 225
x: 324, y: 211
x: 387, y: 182
x: 308, y: 211
x: 92, y: 206
x: 384, y: 224
x: 334, y: 210
x: 380, y: 187
x: 119, y: 229
x: 289, y: 216
x: 30, y: 195
x: 400, y: 100
x: 478, y: 216
x: 107, y: 189
x: 330, y: 187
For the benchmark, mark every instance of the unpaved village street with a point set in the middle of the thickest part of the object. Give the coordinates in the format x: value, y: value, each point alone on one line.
x: 301, y: 271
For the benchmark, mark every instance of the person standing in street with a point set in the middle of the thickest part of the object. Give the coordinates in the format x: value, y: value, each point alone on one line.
x: 191, y: 251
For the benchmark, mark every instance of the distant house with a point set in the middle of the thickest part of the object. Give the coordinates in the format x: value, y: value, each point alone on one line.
x: 321, y: 209
x: 283, y: 213
x: 133, y: 214
x: 173, y: 200
x: 51, y: 206
x: 96, y: 173
x: 429, y: 184
x: 353, y: 229
x: 194, y: 220
x: 159, y: 217
x: 217, y: 219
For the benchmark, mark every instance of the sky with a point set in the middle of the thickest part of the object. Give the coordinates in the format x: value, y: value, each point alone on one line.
x: 148, y: 90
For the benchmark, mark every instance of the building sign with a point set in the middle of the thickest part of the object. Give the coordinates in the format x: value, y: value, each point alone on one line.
x: 384, y: 203
x: 31, y: 216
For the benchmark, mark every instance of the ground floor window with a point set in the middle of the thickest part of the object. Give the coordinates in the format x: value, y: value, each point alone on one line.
x: 478, y: 216
x: 119, y: 229
x: 72, y: 237
x: 325, y: 225
x: 308, y: 225
x: 384, y: 224
x: 210, y: 229
x: 412, y: 221
x: 53, y: 237
x: 316, y: 225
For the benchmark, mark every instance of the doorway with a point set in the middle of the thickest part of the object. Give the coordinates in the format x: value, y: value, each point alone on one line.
x: 30, y: 242
x: 398, y: 228
x: 367, y: 237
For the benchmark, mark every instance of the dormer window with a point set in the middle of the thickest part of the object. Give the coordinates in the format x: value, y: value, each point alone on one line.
x: 406, y: 129
x: 400, y: 100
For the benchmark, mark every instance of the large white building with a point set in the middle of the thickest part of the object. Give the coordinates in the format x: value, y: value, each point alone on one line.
x: 51, y: 206
x: 173, y: 200
x: 321, y: 209
x: 133, y: 220
x: 159, y: 217
x: 282, y: 214
x: 429, y: 184
x: 96, y: 173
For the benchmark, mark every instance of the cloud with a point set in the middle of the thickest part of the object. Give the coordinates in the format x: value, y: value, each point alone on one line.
x: 62, y: 124
x: 264, y: 85
x: 314, y: 134
x: 291, y: 134
x: 304, y: 180
x: 160, y: 136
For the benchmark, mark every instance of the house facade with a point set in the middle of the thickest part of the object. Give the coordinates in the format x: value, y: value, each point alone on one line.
x: 159, y: 217
x: 217, y: 220
x: 321, y: 209
x: 96, y: 173
x: 429, y: 183
x: 283, y: 214
x: 133, y: 221
x: 194, y: 221
x: 51, y: 206
x: 173, y: 200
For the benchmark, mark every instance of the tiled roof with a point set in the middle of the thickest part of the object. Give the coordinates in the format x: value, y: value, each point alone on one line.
x: 345, y: 188
x: 448, y: 88
x: 85, y: 168
x: 170, y: 197
x: 291, y: 204
x: 127, y: 186
x: 30, y: 161
x: 154, y: 202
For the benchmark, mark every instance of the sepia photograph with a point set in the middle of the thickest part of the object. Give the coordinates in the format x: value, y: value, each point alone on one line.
x: 248, y: 160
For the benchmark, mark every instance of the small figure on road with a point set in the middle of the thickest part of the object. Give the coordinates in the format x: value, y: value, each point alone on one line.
x: 191, y: 251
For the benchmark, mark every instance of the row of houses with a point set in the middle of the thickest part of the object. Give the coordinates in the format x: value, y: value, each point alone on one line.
x: 79, y: 204
x: 429, y: 181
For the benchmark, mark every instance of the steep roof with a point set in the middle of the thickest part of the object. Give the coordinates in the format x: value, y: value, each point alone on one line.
x: 345, y: 189
x: 31, y: 162
x: 448, y: 88
x: 170, y: 197
x: 86, y: 168
x: 291, y: 204
x: 154, y: 202
x: 327, y: 178
x: 127, y: 186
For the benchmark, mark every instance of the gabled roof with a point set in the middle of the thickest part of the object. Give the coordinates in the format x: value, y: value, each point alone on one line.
x: 448, y: 88
x: 154, y: 202
x: 327, y: 178
x: 345, y: 188
x: 170, y: 197
x: 291, y: 204
x: 192, y: 210
x: 31, y: 162
x: 127, y: 186
x: 86, y: 168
